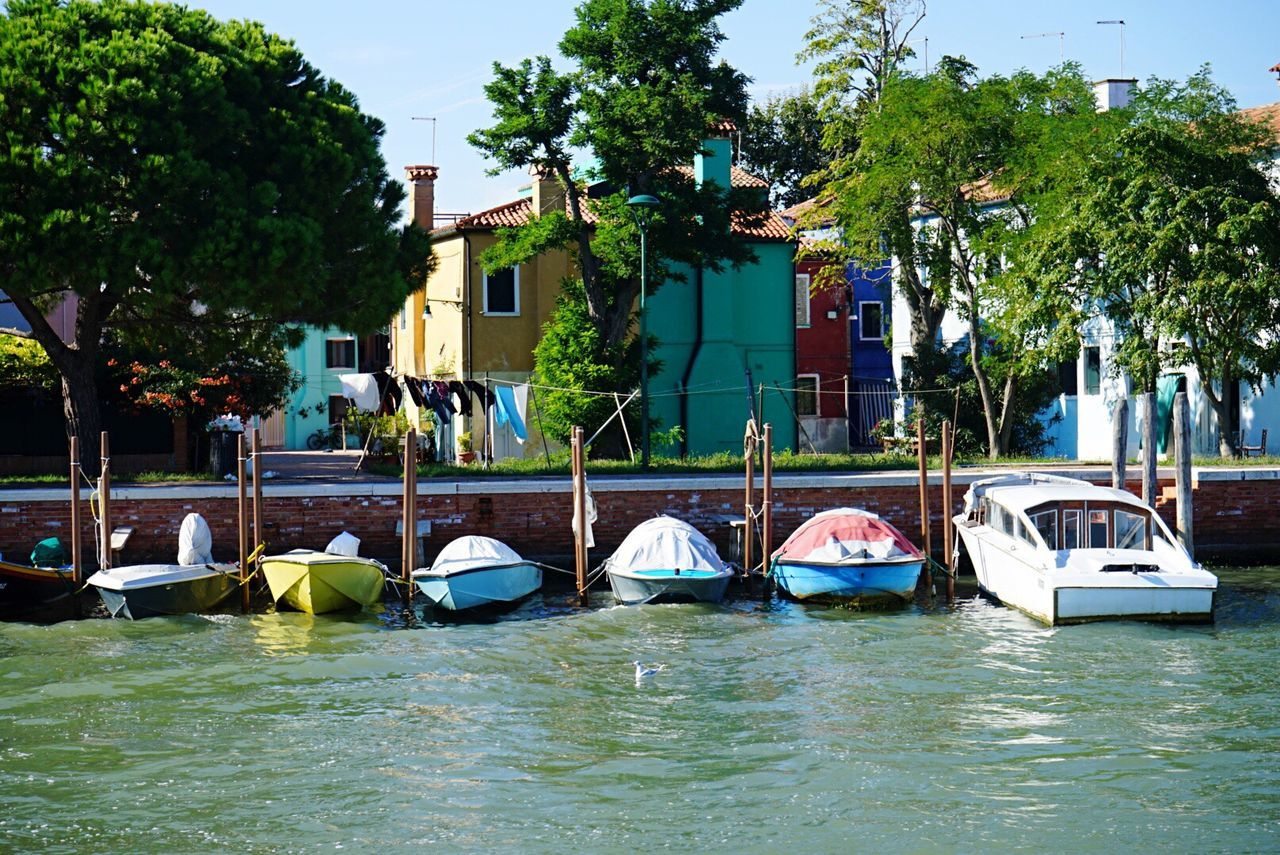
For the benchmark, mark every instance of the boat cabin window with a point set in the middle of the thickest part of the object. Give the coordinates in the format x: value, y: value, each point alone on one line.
x: 1006, y: 520
x: 1046, y: 522
x: 1024, y: 533
x: 1071, y: 529
x: 1131, y: 530
x: 1097, y: 529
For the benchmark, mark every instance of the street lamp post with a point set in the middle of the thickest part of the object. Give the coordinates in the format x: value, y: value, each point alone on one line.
x: 642, y: 208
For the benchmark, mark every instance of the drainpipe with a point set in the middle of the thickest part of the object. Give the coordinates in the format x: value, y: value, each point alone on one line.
x: 688, y: 369
x: 466, y: 297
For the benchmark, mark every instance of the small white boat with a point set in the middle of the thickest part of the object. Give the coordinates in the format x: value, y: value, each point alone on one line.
x: 1066, y: 551
x: 667, y: 560
x: 473, y: 572
x: 195, y: 584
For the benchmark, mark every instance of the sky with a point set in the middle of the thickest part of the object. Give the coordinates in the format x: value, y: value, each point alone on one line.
x: 431, y: 59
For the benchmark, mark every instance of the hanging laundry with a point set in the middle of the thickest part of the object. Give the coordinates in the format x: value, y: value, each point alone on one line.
x: 434, y: 401
x: 415, y: 392
x: 442, y: 392
x: 389, y: 395
x: 464, y: 398
x: 508, y: 411
x: 483, y: 395
x: 360, y: 388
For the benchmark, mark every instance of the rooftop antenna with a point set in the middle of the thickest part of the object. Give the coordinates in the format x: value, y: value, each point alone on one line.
x: 1121, y: 25
x: 926, y: 51
x: 1060, y: 36
x: 432, y: 120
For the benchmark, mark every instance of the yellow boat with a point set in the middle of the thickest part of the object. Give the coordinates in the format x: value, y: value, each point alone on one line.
x: 318, y: 582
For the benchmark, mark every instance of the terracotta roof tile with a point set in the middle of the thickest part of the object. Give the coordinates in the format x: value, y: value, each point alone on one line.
x: 1269, y: 113
x: 738, y: 177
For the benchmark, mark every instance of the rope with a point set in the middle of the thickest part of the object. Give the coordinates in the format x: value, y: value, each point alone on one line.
x: 935, y: 567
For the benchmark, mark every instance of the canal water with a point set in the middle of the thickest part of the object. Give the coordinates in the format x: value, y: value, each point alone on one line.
x: 773, y: 727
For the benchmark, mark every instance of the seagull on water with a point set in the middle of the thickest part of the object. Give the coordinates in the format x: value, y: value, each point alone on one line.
x: 643, y: 671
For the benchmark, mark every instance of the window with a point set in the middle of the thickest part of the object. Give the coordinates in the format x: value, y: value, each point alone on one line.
x: 1097, y: 529
x: 1046, y: 522
x: 502, y: 292
x: 1092, y: 370
x: 1068, y: 382
x: 340, y: 353
x: 807, y: 395
x: 1131, y: 530
x: 337, y: 409
x: 802, y: 299
x: 871, y: 321
x: 1023, y: 532
x: 404, y: 317
x: 1071, y: 529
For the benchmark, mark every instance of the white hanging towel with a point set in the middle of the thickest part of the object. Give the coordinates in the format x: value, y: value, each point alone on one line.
x: 361, y: 388
x: 590, y: 505
x: 522, y: 407
x: 195, y: 542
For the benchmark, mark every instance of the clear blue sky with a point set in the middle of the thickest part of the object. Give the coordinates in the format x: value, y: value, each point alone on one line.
x: 406, y: 59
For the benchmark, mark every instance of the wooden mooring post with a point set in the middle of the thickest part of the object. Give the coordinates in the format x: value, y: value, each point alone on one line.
x: 947, y: 545
x: 104, y: 504
x: 409, y: 543
x: 242, y: 522
x: 1182, y: 469
x: 766, y: 503
x: 259, y: 536
x: 749, y: 499
x: 1119, y: 442
x: 580, y: 516
x: 77, y: 571
x: 1149, y: 449
x: 922, y: 456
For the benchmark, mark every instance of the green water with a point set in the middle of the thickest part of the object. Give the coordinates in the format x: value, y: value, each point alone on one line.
x: 774, y: 727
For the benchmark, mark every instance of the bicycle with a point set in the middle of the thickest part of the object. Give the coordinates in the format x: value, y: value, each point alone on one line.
x: 327, y: 438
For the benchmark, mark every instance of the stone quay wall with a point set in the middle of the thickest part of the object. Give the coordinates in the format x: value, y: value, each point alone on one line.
x: 1236, y: 511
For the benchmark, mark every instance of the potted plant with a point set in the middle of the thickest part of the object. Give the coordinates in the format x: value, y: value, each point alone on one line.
x: 465, y: 452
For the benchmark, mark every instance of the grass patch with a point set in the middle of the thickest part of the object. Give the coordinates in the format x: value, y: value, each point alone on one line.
x: 134, y: 478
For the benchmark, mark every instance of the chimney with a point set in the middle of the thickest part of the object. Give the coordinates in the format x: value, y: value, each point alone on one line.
x: 422, y: 195
x: 1114, y: 93
x: 1276, y: 70
x: 548, y: 195
x: 713, y: 162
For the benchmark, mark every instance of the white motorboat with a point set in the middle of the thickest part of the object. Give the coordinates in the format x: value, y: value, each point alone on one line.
x: 1067, y: 551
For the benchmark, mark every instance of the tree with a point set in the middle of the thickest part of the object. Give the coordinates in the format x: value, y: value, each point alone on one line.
x: 782, y: 143
x: 643, y: 93
x: 860, y: 45
x: 1173, y: 228
x: 964, y: 159
x: 185, y: 180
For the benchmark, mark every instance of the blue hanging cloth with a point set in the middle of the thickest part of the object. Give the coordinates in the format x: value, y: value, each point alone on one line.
x: 507, y: 411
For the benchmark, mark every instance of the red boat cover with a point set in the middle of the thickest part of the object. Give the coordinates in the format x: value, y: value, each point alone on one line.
x: 845, y: 533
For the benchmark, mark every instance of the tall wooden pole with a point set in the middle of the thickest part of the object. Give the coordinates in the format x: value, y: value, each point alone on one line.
x: 580, y: 515
x: 1182, y: 469
x: 1119, y: 442
x: 409, y: 544
x: 104, y: 500
x: 947, y: 440
x: 76, y: 570
x: 766, y: 504
x: 1149, y: 448
x: 749, y: 511
x: 922, y: 454
x: 259, y: 536
x: 242, y: 522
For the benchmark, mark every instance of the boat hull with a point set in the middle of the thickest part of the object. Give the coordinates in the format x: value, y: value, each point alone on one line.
x: 1062, y: 597
x: 41, y: 594
x: 174, y: 598
x: 327, y: 586
x: 869, y: 583
x: 634, y: 587
x: 480, y: 587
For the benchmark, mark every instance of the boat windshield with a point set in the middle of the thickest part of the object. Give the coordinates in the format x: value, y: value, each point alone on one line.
x: 1091, y: 525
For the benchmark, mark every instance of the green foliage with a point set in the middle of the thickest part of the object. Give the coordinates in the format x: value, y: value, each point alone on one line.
x: 25, y: 365
x: 782, y: 143
x: 643, y: 90
x: 183, y: 175
x: 388, y: 430
x: 1169, y: 225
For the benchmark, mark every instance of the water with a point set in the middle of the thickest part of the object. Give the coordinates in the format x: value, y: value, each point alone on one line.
x: 774, y: 727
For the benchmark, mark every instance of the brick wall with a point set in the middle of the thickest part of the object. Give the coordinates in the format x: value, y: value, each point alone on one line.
x: 1232, y: 515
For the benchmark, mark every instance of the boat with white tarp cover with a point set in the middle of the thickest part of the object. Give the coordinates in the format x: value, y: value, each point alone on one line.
x: 666, y: 560
x: 475, y: 572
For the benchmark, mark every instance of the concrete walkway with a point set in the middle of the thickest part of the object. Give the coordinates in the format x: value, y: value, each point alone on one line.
x: 331, y: 466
